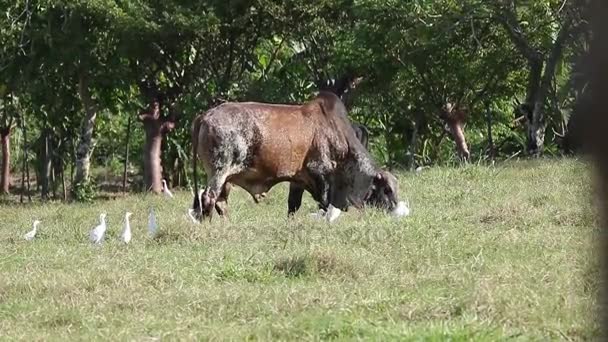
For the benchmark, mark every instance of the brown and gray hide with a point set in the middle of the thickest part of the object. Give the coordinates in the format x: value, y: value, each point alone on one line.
x: 257, y: 145
x: 381, y: 201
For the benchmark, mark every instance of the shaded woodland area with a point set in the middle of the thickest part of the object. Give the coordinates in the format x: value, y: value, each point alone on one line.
x: 104, y: 91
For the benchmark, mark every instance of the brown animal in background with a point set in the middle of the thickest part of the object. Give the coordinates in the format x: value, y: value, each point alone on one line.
x: 257, y: 145
x: 455, y: 117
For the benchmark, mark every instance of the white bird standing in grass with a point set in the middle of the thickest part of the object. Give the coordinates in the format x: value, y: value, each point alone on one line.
x: 166, y: 189
x: 29, y: 236
x: 96, y: 235
x: 330, y: 215
x: 318, y: 215
x: 126, y: 232
x: 152, y: 226
x: 401, y: 210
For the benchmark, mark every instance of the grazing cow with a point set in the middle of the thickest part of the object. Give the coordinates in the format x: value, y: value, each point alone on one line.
x: 257, y: 145
x: 294, y: 198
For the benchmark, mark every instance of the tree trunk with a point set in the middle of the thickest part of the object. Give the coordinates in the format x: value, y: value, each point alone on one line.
x: 23, y: 166
x: 124, y: 173
x: 26, y: 168
x: 46, y: 166
x: 491, y: 149
x: 85, y: 143
x: 539, y: 81
x: 5, y: 178
x: 175, y: 172
x: 72, y: 162
x: 55, y: 172
x: 155, y: 126
x: 63, y: 185
x: 152, y: 153
x: 27, y: 179
x: 389, y: 155
x: 536, y: 129
x: 413, y: 141
x: 534, y: 115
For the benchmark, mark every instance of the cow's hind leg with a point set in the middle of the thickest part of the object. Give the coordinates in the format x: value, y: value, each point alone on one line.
x: 221, y: 205
x: 213, y: 193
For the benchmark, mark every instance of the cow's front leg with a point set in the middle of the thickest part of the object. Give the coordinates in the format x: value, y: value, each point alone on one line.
x: 328, y: 190
x: 294, y: 199
x: 324, y: 192
x: 321, y: 172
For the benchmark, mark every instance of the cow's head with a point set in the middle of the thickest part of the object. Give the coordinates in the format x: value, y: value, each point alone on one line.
x: 383, y: 193
x: 352, y: 180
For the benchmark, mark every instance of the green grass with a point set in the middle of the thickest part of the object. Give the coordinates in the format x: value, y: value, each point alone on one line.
x: 488, y: 253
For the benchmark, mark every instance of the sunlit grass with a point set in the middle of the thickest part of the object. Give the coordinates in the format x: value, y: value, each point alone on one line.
x: 488, y: 253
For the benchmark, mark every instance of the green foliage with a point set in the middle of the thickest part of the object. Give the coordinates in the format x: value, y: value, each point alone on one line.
x: 411, y: 56
x: 84, y: 192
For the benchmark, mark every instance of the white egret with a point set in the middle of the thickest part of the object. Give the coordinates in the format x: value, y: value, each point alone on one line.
x: 152, y: 226
x: 332, y: 213
x: 401, y: 210
x: 319, y: 214
x: 166, y: 189
x: 126, y: 232
x: 32, y: 233
x: 96, y: 235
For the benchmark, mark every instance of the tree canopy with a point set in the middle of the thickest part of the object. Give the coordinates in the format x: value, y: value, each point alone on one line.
x: 85, y: 77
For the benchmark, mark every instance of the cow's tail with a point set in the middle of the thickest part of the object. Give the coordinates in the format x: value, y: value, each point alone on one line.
x: 195, y: 133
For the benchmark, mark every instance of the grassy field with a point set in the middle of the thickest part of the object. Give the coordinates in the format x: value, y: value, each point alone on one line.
x: 488, y: 253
